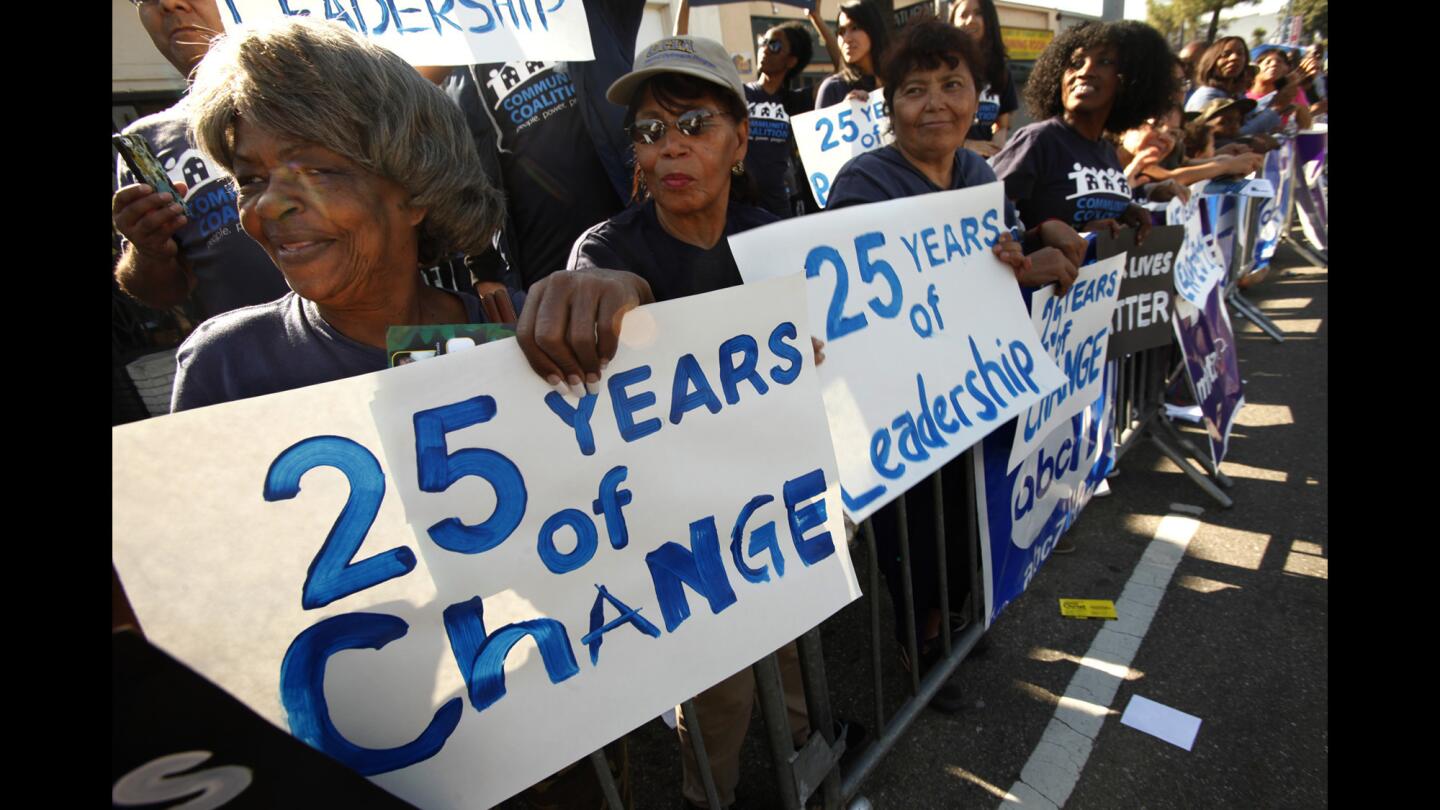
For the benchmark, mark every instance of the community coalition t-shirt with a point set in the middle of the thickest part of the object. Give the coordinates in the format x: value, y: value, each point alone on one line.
x: 634, y: 241
x: 1053, y: 172
x: 231, y: 269
x: 555, y: 185
x: 992, y: 105
x: 768, y: 158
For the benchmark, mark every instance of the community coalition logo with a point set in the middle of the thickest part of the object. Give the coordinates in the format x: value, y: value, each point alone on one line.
x: 211, y: 202
x: 1100, y: 193
x: 527, y: 92
x: 769, y: 121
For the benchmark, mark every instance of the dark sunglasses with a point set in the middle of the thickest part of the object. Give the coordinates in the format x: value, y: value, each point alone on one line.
x: 651, y: 130
x: 771, y: 45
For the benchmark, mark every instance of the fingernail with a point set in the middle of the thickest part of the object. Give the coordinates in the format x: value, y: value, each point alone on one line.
x: 574, y: 380
x: 553, y: 380
x: 561, y: 389
x: 591, y: 388
x: 577, y: 390
x: 604, y: 364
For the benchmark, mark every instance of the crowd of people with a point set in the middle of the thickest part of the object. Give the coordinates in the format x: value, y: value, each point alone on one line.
x: 346, y: 171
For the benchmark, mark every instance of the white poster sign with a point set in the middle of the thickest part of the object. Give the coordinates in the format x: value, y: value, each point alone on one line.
x: 928, y: 345
x: 1200, y: 264
x: 830, y: 136
x: 1074, y: 330
x: 443, y: 32
x: 576, y: 568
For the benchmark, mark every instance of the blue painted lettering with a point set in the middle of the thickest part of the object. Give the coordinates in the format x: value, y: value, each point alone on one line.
x: 699, y: 566
x: 611, y: 499
x: 437, y: 470
x: 682, y: 399
x: 586, y: 541
x: 599, y: 627
x: 732, y: 374
x: 785, y: 351
x: 625, y: 405
x: 760, y: 539
x: 302, y: 694
x: 578, y: 418
x: 481, y: 656
x: 802, y: 519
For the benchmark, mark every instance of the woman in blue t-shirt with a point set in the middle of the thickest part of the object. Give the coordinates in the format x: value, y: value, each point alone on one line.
x: 929, y: 77
x: 1092, y: 79
x: 998, y: 100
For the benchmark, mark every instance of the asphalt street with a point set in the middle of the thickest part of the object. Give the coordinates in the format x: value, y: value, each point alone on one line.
x: 1238, y: 637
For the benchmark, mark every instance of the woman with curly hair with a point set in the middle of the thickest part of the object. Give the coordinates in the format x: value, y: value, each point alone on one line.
x: 1092, y: 79
x: 997, y: 99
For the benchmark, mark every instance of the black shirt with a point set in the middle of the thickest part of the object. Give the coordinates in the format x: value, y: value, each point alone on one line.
x: 768, y: 158
x: 1053, y: 172
x: 555, y: 184
x: 992, y: 105
x: 634, y: 241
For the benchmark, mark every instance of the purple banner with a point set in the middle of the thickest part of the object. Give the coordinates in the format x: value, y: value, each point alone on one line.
x: 1209, y: 346
x: 1024, y: 511
x: 1311, y: 148
x: 1274, y: 213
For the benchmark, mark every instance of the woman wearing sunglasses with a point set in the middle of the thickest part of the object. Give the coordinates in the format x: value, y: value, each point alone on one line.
x: 689, y: 124
x: 688, y: 121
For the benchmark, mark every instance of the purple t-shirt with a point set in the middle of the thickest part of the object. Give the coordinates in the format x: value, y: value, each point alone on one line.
x: 1053, y: 172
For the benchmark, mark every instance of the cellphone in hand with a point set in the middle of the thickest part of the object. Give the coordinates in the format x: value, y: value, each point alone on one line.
x: 145, y: 167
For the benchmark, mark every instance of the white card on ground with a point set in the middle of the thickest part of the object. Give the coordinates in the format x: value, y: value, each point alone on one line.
x: 1157, y: 719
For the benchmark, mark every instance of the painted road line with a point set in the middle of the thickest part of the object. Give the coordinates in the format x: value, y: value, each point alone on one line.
x: 1055, y: 765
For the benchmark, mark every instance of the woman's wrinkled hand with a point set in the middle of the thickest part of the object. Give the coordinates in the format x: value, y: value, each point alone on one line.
x: 570, y: 327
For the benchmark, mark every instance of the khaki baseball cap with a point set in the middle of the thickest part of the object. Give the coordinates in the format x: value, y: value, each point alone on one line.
x: 702, y: 58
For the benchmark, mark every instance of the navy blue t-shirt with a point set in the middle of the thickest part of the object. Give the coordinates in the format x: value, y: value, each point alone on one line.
x: 835, y: 88
x: 885, y: 174
x: 1053, y: 172
x: 269, y: 348
x: 768, y: 158
x: 991, y: 106
x: 633, y: 241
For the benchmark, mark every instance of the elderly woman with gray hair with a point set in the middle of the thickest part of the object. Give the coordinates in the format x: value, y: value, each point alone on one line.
x: 353, y: 172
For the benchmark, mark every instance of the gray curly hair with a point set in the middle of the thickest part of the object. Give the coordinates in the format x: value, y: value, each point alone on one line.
x: 321, y: 83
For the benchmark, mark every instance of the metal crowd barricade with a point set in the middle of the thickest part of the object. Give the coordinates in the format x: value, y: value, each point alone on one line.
x: 1141, y: 380
x: 1247, y: 232
x: 812, y: 773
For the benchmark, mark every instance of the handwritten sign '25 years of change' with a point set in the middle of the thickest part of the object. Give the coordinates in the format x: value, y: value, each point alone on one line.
x: 456, y: 581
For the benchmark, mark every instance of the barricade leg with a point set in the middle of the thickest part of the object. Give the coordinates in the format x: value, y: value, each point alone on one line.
x: 1241, y: 306
x: 777, y: 726
x: 872, y: 593
x: 690, y: 716
x: 817, y: 703
x: 607, y: 780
